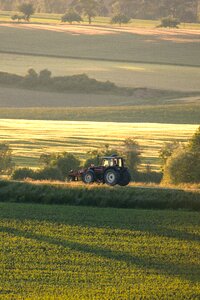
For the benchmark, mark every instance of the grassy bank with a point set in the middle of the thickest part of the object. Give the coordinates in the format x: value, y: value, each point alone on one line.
x: 100, y: 196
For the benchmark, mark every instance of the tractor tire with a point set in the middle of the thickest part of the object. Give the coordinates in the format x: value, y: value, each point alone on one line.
x: 111, y: 177
x: 125, y: 178
x: 88, y: 177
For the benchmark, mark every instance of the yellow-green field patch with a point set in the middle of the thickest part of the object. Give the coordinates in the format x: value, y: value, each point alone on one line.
x: 29, y: 139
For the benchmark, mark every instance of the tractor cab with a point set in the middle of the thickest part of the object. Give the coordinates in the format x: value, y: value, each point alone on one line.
x: 112, y: 161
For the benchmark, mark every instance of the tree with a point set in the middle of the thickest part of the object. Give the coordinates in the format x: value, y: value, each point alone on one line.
x: 182, y: 167
x: 27, y: 9
x: 194, y: 144
x: 64, y: 162
x: 120, y: 19
x: 6, y: 162
x: 44, y: 77
x: 167, y: 151
x: 89, y: 8
x: 132, y: 152
x: 67, y: 162
x: 71, y: 16
x: 183, y: 164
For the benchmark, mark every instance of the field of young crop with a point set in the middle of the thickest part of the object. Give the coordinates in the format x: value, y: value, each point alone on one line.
x: 29, y: 138
x: 56, y: 252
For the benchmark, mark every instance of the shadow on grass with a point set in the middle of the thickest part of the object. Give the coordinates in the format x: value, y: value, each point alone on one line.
x: 185, y: 271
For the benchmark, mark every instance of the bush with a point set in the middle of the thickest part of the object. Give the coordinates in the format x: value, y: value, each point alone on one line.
x: 183, y: 167
x: 120, y: 19
x: 23, y: 173
x: 49, y: 173
x: 169, y: 22
x: 71, y: 16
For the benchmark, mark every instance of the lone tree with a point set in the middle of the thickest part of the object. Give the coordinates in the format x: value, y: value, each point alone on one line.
x: 120, y: 19
x: 27, y: 9
x: 71, y: 16
x: 89, y: 8
x: 6, y: 163
x: 132, y: 150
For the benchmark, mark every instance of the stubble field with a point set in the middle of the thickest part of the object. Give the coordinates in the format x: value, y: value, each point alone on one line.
x: 29, y: 139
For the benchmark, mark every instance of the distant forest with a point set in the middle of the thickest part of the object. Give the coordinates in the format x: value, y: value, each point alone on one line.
x: 185, y: 10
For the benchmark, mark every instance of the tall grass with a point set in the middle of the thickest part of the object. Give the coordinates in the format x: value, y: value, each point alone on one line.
x: 129, y: 197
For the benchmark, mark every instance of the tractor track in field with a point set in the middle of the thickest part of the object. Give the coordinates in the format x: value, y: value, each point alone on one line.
x: 97, y: 59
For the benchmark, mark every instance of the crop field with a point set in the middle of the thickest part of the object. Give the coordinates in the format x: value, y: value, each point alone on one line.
x: 29, y: 138
x: 56, y: 252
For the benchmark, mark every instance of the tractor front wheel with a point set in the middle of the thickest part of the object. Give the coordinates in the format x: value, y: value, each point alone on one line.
x: 88, y: 177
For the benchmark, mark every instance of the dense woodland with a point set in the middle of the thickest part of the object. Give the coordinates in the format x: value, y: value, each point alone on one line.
x: 185, y: 10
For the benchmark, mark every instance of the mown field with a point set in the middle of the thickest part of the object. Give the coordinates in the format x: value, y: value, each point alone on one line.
x: 61, y: 252
x: 29, y: 138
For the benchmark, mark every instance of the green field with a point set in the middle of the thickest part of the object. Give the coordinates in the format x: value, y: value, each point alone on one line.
x: 29, y: 139
x: 56, y: 252
x: 123, y: 74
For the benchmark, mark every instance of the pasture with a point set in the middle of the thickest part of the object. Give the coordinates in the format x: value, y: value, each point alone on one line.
x: 152, y: 76
x: 61, y: 252
x: 29, y: 138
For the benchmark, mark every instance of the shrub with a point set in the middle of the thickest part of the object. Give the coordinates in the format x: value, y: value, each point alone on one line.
x: 183, y: 167
x: 49, y: 173
x: 169, y: 22
x: 23, y: 173
x: 71, y: 16
x: 120, y: 19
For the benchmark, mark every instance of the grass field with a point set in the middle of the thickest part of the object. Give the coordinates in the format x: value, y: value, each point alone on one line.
x: 124, y: 74
x: 30, y: 138
x: 55, y: 18
x: 53, y: 252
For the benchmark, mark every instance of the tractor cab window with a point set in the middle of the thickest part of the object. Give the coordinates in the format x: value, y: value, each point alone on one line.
x: 105, y: 163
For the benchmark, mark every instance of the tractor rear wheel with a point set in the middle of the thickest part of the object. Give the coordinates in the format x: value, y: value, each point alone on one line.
x: 88, y: 177
x: 111, y: 177
x: 125, y: 178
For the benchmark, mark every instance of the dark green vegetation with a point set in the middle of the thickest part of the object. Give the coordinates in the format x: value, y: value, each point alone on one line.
x: 77, y: 83
x: 174, y: 114
x: 88, y: 253
x: 73, y: 194
x: 183, y: 162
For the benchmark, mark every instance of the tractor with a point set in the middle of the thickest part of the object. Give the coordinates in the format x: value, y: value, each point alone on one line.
x: 111, y: 171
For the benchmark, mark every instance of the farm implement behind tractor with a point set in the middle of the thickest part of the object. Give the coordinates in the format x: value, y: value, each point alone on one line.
x: 111, y: 171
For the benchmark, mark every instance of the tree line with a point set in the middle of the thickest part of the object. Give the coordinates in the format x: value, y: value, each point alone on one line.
x: 180, y: 162
x: 184, y: 10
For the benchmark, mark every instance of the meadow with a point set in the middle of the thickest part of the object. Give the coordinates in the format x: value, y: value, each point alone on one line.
x: 56, y: 252
x: 153, y: 76
x: 30, y: 138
